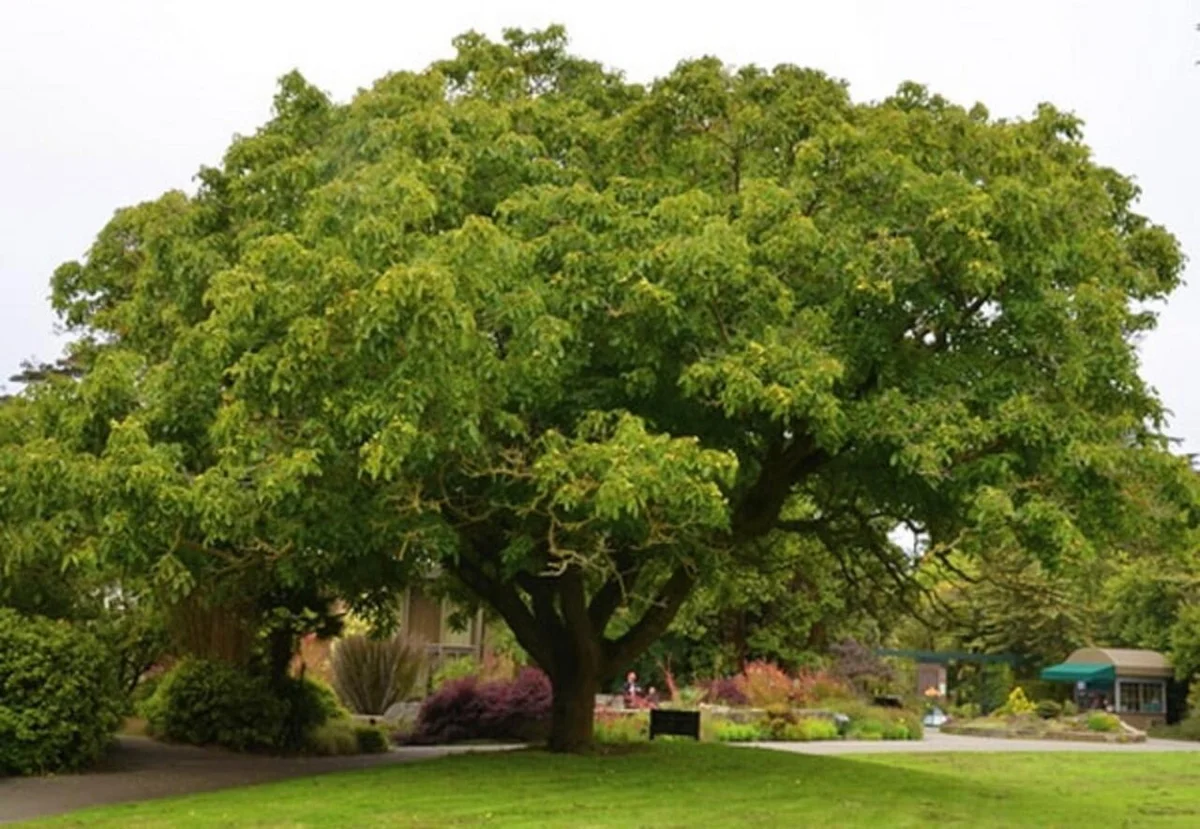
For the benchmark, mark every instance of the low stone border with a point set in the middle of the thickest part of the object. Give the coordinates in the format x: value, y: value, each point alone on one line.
x: 1129, y: 735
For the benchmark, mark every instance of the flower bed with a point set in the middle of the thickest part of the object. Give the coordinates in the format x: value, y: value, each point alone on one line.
x: 1088, y: 728
x: 720, y: 723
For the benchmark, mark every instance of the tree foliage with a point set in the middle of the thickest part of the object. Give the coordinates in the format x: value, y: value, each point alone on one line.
x: 582, y: 342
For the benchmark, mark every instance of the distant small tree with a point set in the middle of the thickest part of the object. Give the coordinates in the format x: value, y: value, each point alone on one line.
x: 859, y: 665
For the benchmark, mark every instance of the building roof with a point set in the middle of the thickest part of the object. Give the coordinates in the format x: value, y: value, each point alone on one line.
x: 1127, y: 662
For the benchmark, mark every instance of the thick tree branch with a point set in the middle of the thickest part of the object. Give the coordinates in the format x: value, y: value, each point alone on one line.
x: 610, y: 595
x: 785, y: 464
x: 505, y: 600
x: 651, y: 626
x: 541, y: 596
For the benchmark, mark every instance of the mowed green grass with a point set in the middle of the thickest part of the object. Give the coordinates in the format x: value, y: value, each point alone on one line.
x: 683, y: 784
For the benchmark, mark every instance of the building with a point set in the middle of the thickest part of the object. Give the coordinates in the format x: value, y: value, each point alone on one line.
x: 425, y: 622
x: 1131, y: 683
x: 428, y: 622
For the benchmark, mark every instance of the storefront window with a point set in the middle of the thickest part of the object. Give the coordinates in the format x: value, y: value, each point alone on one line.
x: 1142, y: 697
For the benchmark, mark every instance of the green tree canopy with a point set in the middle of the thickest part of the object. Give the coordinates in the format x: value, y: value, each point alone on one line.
x: 579, y: 341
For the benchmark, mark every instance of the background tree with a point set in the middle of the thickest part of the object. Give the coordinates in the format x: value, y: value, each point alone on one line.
x: 787, y: 600
x: 582, y: 343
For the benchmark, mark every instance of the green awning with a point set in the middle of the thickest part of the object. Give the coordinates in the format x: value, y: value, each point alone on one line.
x: 1080, y: 672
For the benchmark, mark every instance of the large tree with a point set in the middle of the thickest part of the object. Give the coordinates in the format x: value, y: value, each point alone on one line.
x: 580, y: 342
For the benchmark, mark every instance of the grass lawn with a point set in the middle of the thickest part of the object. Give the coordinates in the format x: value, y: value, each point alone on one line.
x: 684, y: 784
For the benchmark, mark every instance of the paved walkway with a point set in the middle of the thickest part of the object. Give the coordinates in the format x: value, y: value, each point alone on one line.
x: 142, y: 769
x: 935, y: 741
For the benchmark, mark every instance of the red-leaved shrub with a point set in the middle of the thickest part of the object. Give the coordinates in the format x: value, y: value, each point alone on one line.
x: 725, y: 691
x: 813, y: 687
x: 765, y: 684
x: 467, y: 709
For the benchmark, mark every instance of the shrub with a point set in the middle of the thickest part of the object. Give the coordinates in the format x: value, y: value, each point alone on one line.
x: 309, y: 705
x: 726, y: 691
x: 451, y: 713
x: 1069, y: 708
x: 813, y: 687
x: 1099, y: 721
x: 333, y: 739
x: 765, y: 684
x: 966, y: 711
x: 525, y: 702
x: 453, y: 670
x: 143, y: 691
x: 213, y: 703
x: 1189, y: 729
x: 60, y: 702
x: 871, y: 722
x: 807, y: 730
x: 615, y: 729
x: 1017, y: 704
x: 371, y: 675
x: 467, y: 709
x: 861, y: 667
x: 867, y: 729
x: 726, y: 731
x: 993, y: 685
x: 912, y: 724
x: 1049, y: 709
x: 370, y: 740
x: 690, y: 696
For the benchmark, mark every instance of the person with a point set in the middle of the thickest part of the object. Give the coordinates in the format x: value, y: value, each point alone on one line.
x: 652, y: 697
x: 632, y: 691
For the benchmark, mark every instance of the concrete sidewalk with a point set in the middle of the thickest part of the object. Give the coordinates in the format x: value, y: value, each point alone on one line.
x: 935, y: 741
x: 142, y: 769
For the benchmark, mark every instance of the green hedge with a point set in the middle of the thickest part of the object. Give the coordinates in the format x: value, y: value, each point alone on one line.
x: 213, y: 703
x: 60, y: 702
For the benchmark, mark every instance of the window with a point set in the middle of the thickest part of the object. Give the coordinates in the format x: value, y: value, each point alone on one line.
x: 1141, y: 697
x: 451, y: 636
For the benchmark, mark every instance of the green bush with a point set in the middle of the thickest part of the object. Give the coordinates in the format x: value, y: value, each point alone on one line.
x: 309, y: 705
x: 966, y: 711
x: 342, y: 737
x: 618, y: 729
x: 1017, y: 704
x: 203, y: 702
x: 1100, y: 721
x: 143, y: 691
x: 867, y: 729
x: 370, y: 739
x: 913, y: 725
x: 452, y: 669
x: 60, y: 702
x: 992, y: 686
x: 213, y: 703
x: 807, y: 730
x: 1049, y: 709
x: 1069, y: 708
x: 873, y: 722
x: 1189, y: 729
x: 333, y: 739
x: 371, y: 675
x: 725, y: 731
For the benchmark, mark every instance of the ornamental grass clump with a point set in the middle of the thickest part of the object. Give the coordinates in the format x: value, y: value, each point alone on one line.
x: 372, y: 675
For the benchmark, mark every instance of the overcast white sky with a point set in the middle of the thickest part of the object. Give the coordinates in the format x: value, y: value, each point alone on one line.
x: 104, y: 104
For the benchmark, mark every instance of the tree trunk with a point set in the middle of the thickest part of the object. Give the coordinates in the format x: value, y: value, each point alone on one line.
x: 573, y: 711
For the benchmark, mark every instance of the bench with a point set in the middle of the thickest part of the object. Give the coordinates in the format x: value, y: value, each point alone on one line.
x: 674, y: 723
